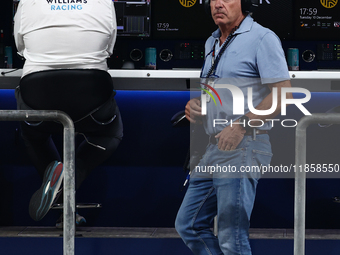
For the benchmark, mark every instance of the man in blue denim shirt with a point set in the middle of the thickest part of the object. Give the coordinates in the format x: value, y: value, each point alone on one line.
x: 246, y: 55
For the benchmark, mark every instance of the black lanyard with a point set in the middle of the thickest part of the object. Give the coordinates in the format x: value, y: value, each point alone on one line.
x: 216, y: 60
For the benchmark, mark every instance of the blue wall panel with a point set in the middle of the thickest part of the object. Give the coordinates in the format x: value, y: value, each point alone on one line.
x: 139, y: 185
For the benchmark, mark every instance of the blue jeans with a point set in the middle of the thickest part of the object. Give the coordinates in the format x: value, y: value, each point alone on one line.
x: 229, y: 195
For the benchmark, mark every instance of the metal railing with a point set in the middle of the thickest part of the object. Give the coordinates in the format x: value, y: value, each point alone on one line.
x: 300, y: 176
x: 68, y: 161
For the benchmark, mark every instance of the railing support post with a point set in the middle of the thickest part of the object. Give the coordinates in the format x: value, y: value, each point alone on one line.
x: 68, y: 161
x: 300, y: 174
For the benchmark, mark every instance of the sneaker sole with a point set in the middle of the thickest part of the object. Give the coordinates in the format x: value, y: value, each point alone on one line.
x: 43, y: 198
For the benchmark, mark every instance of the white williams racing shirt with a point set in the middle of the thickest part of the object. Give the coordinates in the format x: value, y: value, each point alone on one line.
x: 52, y: 34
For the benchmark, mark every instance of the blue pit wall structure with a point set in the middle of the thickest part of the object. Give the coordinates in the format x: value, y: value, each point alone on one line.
x: 139, y: 186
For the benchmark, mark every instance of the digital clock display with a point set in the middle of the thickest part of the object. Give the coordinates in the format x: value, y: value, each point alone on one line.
x: 317, y: 19
x: 178, y: 19
x: 308, y: 11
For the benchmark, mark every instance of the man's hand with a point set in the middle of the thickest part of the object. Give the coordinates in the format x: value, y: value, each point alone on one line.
x: 193, y: 111
x: 230, y: 137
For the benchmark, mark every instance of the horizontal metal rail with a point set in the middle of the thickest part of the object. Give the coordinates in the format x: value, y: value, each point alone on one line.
x: 68, y: 161
x: 300, y: 176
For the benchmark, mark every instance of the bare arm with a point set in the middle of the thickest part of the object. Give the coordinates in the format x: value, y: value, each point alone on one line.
x: 193, y: 110
x: 231, y: 136
x: 268, y: 101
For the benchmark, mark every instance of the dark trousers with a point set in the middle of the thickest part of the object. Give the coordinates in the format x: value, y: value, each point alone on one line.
x: 103, y: 134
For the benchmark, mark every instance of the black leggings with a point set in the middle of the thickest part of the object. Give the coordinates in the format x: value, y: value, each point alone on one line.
x: 42, y: 150
x: 89, y: 154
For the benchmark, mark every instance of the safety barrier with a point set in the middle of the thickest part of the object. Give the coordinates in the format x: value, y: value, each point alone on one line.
x: 68, y: 161
x: 300, y: 176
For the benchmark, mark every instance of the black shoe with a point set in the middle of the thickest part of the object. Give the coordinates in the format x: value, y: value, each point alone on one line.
x: 43, y: 198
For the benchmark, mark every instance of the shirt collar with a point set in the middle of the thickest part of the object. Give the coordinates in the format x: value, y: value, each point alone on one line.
x: 245, y: 27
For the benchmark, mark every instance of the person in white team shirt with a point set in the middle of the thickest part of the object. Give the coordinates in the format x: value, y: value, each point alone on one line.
x: 81, y: 36
x: 68, y: 34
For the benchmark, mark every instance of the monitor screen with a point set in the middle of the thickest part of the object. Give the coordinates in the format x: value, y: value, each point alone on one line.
x: 276, y: 15
x: 186, y: 19
x: 133, y: 17
x: 181, y: 19
x: 317, y: 19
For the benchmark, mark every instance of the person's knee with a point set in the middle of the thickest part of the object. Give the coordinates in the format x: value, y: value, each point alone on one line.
x: 182, y: 225
x: 178, y: 224
x: 112, y: 144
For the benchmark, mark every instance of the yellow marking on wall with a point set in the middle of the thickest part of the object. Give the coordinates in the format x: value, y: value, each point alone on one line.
x: 187, y: 3
x: 329, y: 3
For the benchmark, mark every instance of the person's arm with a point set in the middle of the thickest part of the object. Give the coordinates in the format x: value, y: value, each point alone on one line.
x: 232, y: 135
x: 268, y: 101
x: 112, y: 39
x: 193, y: 110
x: 275, y: 74
x: 18, y: 37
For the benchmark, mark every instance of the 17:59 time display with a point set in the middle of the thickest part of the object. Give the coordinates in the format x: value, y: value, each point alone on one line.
x: 308, y: 11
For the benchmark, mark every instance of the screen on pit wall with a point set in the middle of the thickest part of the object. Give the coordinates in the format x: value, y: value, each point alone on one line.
x: 133, y: 17
x: 317, y: 19
x: 276, y: 15
x: 181, y: 19
x: 187, y: 19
